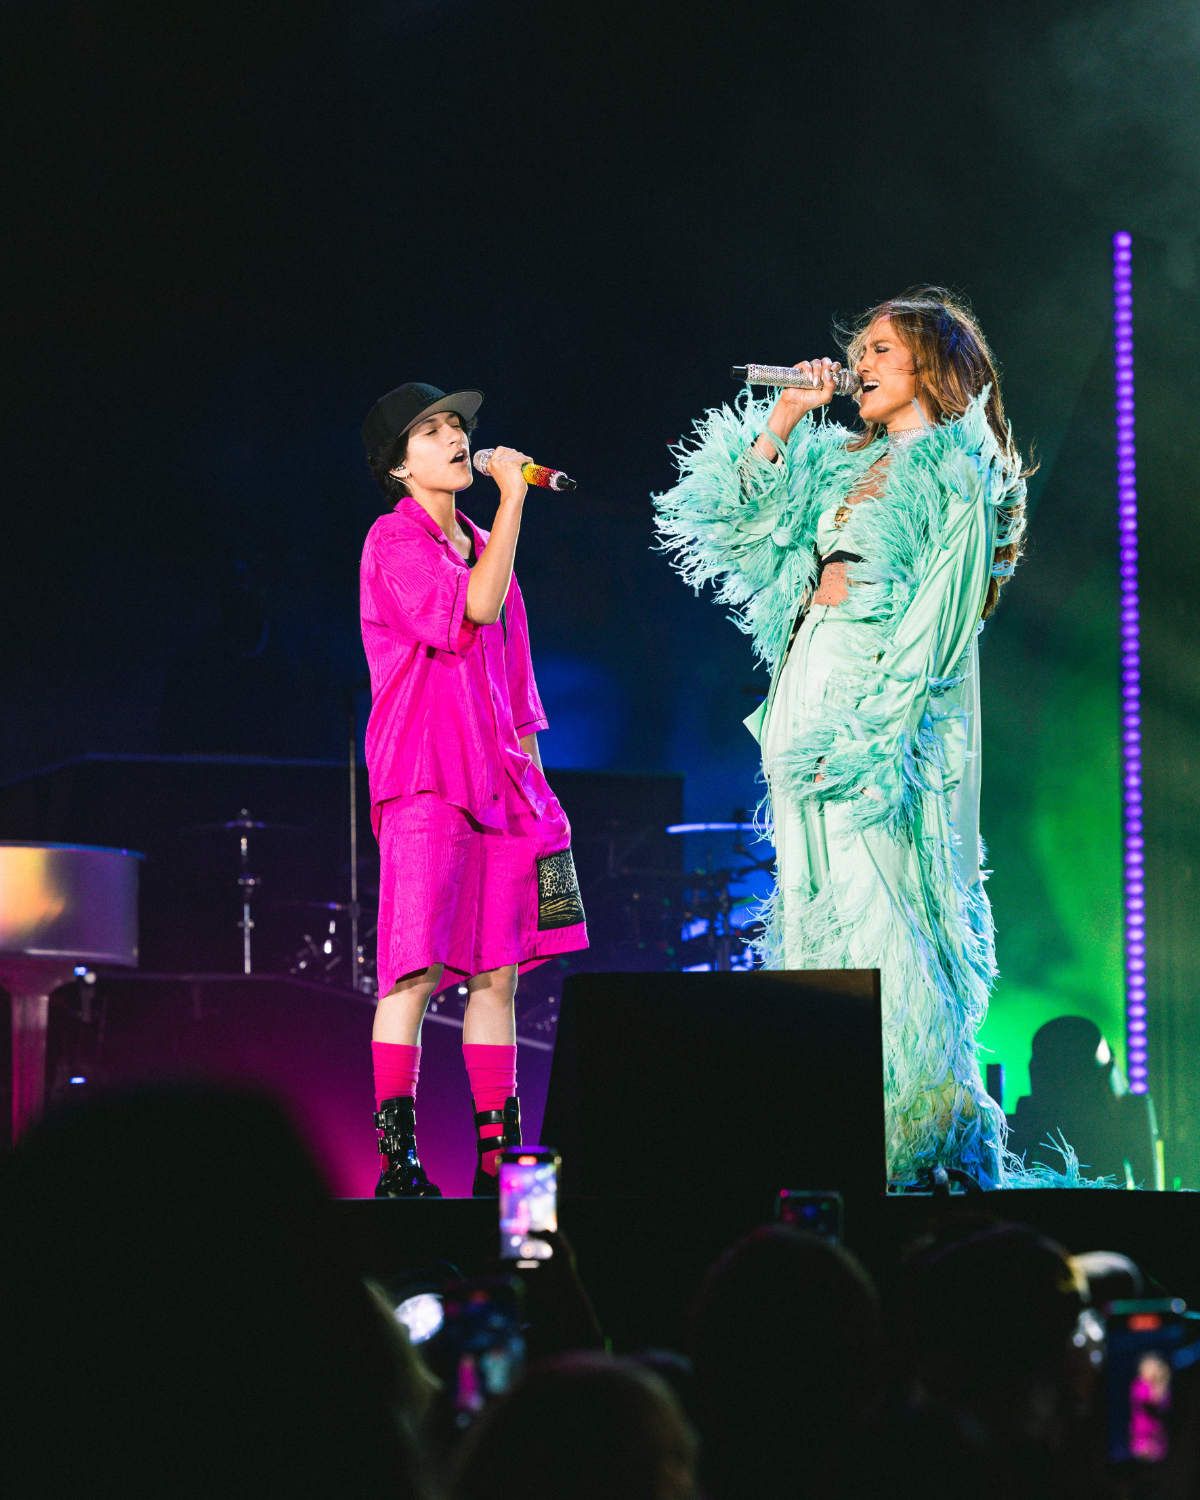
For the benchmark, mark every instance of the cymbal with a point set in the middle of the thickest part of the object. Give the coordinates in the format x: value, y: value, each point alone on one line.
x: 310, y: 905
x: 711, y: 828
x: 245, y: 825
x: 679, y: 877
x: 692, y: 877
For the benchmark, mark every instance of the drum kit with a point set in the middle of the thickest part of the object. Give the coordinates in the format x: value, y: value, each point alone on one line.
x: 696, y: 915
x: 700, y: 915
x: 327, y: 941
x: 331, y: 942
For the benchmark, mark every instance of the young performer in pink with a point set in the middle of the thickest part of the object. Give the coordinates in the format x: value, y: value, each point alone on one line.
x: 477, y: 882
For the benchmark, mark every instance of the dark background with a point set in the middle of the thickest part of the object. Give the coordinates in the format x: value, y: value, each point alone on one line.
x: 235, y: 226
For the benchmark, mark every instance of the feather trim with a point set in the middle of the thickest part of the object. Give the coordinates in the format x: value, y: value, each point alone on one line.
x: 1017, y: 1175
x: 934, y: 947
x: 936, y: 1109
x: 748, y: 527
x: 745, y: 525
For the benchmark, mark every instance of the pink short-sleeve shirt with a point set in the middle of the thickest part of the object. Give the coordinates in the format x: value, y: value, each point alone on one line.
x: 450, y: 699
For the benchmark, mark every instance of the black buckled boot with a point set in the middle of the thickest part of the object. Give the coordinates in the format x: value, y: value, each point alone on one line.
x: 485, y: 1185
x: 403, y: 1176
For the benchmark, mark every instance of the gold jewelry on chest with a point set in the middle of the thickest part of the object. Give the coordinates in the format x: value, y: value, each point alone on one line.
x: 868, y: 491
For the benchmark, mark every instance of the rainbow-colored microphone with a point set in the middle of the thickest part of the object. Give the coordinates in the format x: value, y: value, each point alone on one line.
x: 538, y: 474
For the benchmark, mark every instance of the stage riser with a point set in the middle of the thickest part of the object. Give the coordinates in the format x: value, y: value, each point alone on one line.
x: 308, y: 1045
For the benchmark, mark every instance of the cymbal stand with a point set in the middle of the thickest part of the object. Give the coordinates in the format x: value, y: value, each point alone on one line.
x: 721, y: 931
x: 716, y: 909
x: 758, y: 863
x: 357, y: 974
x: 248, y: 885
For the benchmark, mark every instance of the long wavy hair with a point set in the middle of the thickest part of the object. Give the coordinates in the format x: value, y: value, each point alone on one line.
x: 953, y: 364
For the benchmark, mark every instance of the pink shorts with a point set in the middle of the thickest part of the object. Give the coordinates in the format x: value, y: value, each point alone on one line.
x: 471, y: 898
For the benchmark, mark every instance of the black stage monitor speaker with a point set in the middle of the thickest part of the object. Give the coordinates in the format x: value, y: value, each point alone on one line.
x: 669, y: 1084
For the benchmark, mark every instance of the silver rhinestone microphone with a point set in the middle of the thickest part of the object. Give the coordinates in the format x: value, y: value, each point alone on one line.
x: 845, y: 382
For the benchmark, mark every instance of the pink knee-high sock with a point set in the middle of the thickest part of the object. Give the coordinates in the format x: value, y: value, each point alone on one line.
x: 396, y: 1067
x: 493, y: 1075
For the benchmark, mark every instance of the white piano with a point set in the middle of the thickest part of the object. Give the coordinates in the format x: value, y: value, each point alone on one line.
x: 61, y: 905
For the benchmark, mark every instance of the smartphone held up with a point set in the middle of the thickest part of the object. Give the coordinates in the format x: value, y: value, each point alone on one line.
x: 528, y: 1204
x: 1149, y: 1345
x: 816, y: 1212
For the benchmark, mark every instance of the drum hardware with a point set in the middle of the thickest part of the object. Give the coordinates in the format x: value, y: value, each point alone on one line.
x: 358, y: 972
x: 244, y: 823
x: 708, y: 902
x: 248, y: 883
x: 317, y: 956
x: 311, y: 905
x: 677, y: 828
x: 324, y: 955
x: 325, y: 945
x: 621, y: 844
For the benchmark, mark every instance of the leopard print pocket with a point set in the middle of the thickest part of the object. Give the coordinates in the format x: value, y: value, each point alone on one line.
x: 559, y: 902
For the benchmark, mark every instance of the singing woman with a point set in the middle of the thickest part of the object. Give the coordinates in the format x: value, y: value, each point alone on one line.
x: 477, y: 882
x: 862, y: 564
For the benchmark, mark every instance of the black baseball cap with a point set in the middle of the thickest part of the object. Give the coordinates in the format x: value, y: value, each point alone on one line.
x: 402, y: 408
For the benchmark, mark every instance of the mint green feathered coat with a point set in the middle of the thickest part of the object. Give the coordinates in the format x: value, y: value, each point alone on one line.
x: 871, y: 734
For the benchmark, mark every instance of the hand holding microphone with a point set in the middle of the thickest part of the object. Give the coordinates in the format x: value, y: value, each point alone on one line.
x: 804, y: 376
x: 493, y: 460
x: 506, y: 466
x: 802, y: 387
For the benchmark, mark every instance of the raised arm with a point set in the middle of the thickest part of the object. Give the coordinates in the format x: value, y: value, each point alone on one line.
x: 792, y: 403
x: 491, y: 575
x: 743, y: 521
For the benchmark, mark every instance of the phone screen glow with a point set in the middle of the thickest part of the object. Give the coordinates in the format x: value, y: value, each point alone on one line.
x: 528, y: 1206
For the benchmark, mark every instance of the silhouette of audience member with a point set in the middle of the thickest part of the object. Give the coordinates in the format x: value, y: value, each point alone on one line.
x: 583, y: 1425
x: 676, y: 1370
x: 1076, y: 1090
x: 1109, y: 1276
x: 787, y: 1344
x: 560, y: 1317
x: 178, y: 1319
x: 998, y: 1366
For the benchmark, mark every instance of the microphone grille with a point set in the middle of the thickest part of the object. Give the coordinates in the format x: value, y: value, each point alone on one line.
x: 846, y: 382
x: 482, y: 459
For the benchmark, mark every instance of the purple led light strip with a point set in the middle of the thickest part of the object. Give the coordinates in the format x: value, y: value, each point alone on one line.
x: 1131, y: 670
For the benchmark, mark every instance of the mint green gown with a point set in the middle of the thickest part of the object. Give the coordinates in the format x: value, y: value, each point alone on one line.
x: 870, y: 732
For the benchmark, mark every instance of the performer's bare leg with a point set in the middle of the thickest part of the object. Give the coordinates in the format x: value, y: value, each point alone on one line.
x: 399, y: 1013
x: 490, y: 1018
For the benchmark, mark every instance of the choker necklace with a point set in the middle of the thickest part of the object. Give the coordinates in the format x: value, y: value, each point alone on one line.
x: 906, y: 437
